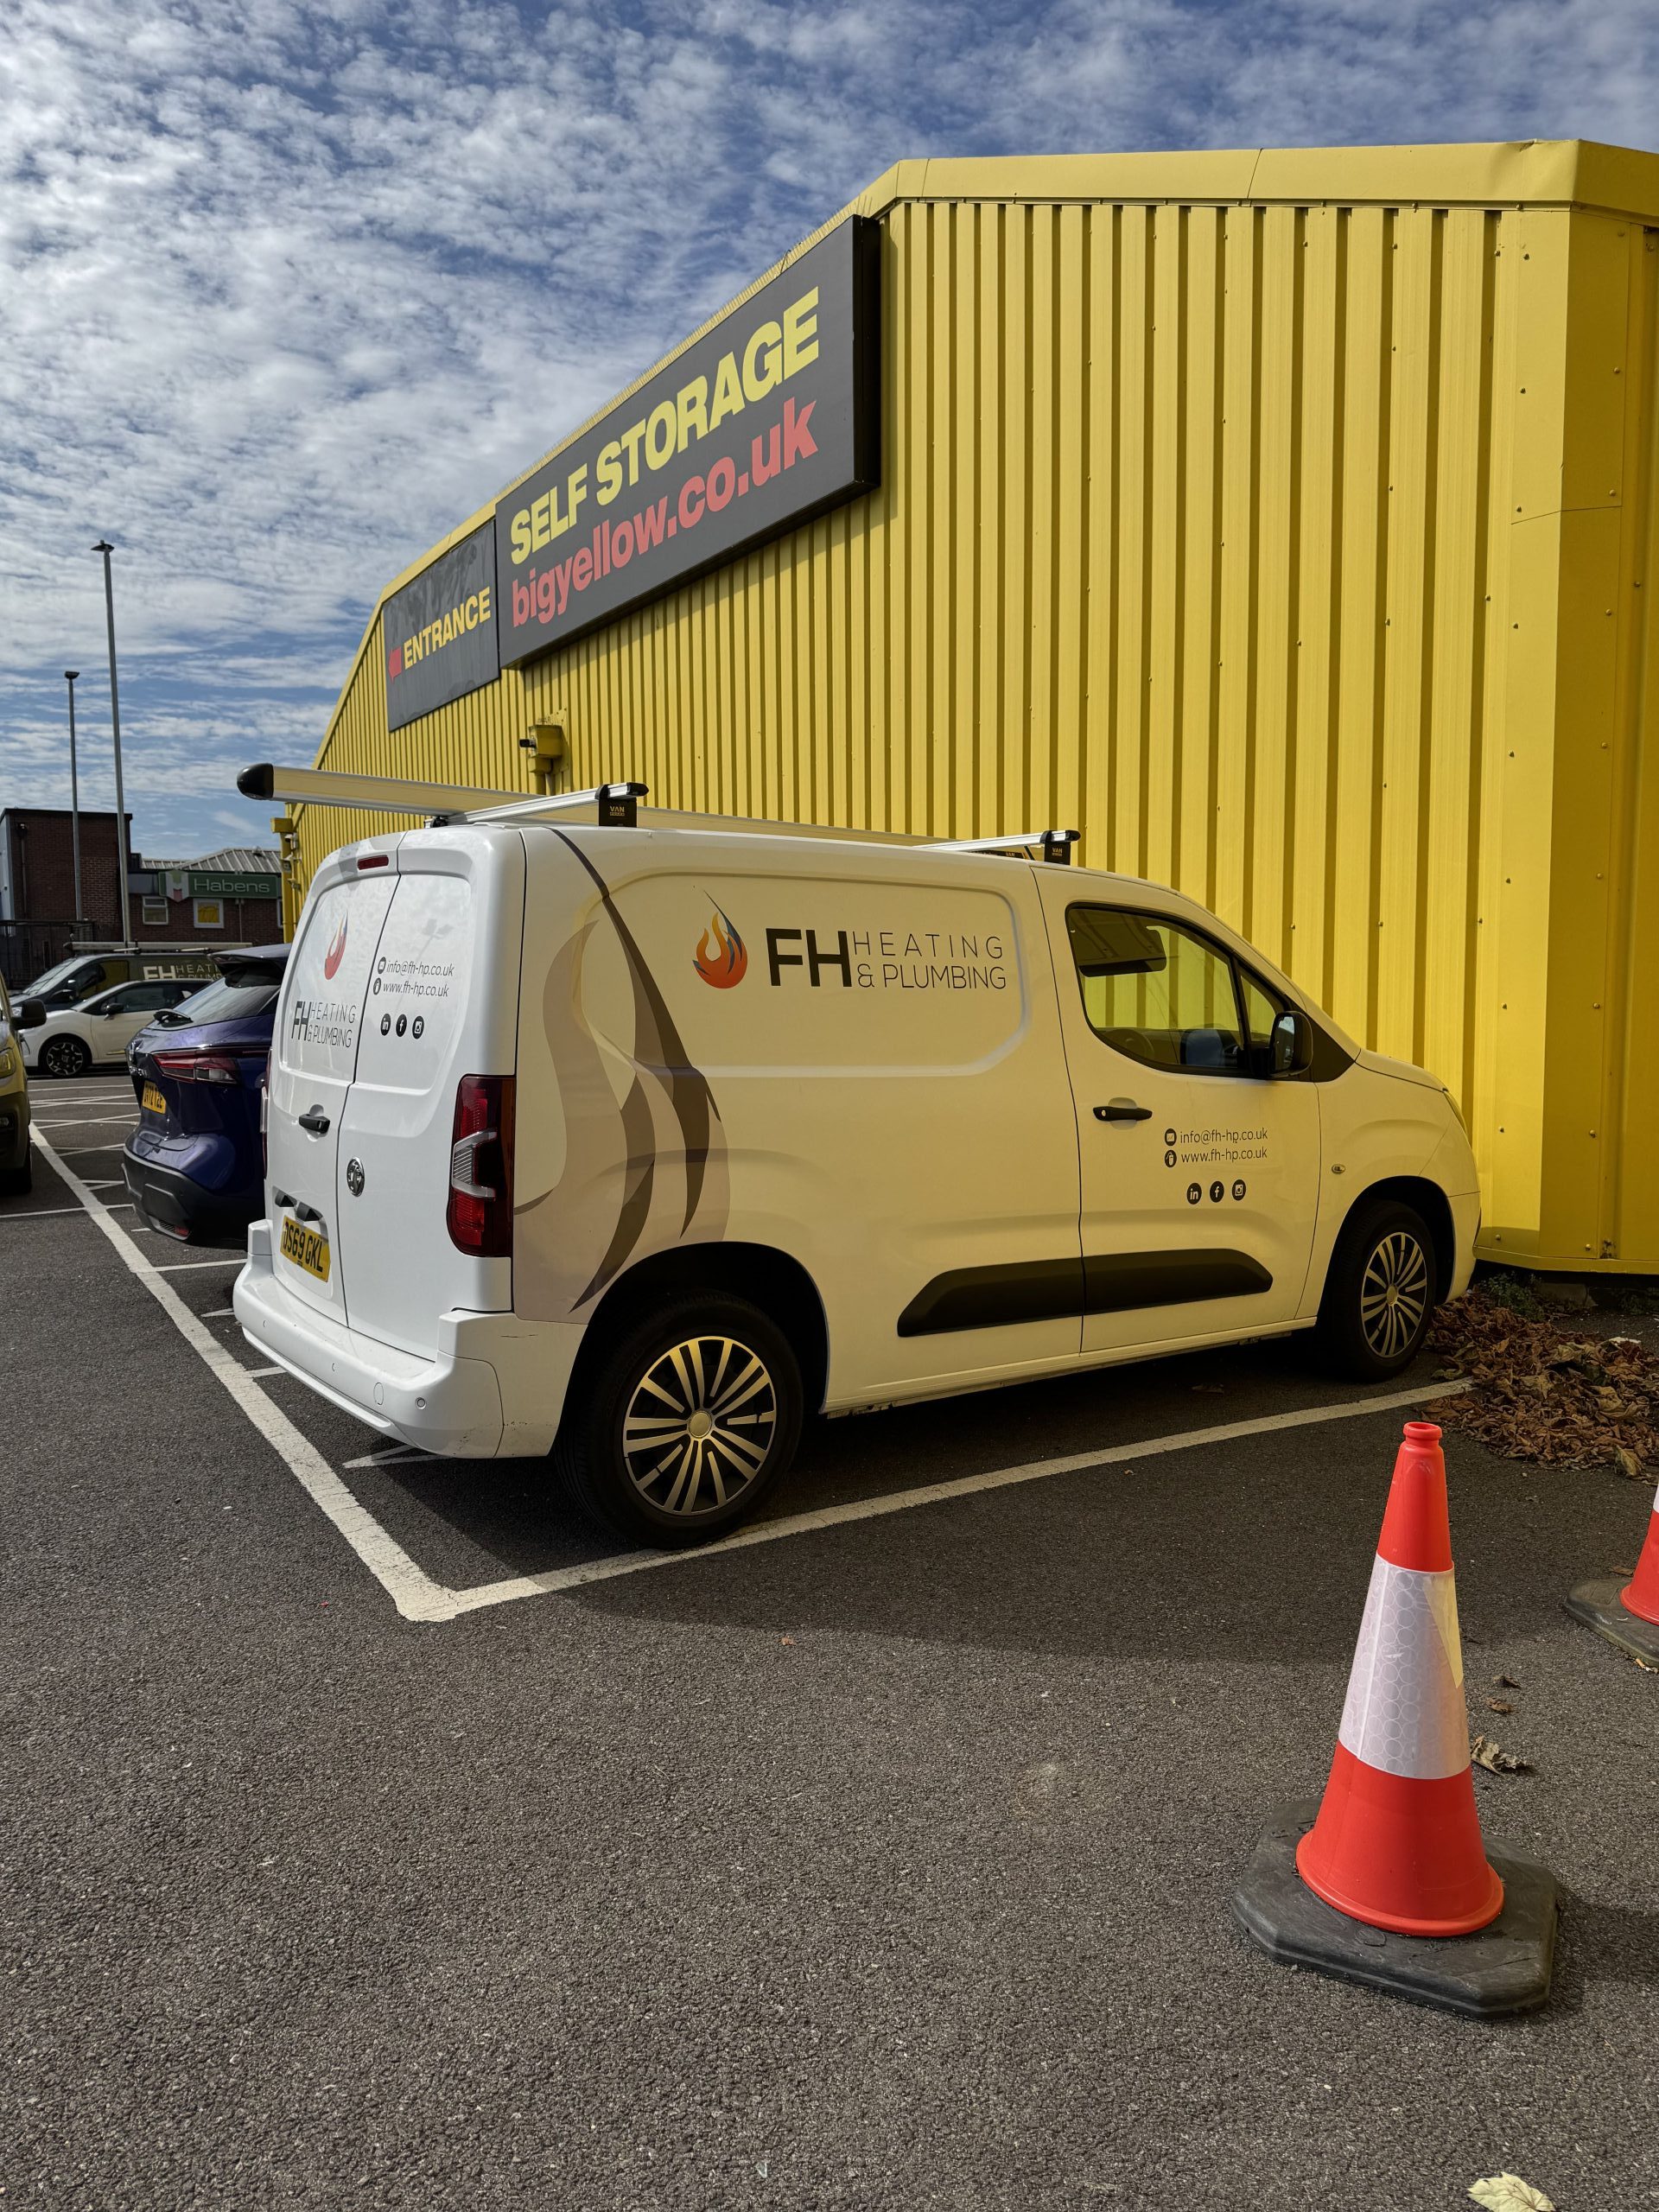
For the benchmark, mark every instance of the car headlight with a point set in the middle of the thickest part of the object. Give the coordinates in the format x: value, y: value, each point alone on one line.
x: 7, y: 1064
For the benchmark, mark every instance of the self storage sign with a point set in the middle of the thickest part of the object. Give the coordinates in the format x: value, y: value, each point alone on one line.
x: 441, y: 631
x: 772, y: 417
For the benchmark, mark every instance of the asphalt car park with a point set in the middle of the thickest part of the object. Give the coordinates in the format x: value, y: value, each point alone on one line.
x: 377, y: 1834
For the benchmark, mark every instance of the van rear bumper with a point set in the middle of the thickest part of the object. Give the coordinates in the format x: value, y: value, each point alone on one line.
x: 493, y: 1388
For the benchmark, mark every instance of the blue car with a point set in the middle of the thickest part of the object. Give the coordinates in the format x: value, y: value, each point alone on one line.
x: 195, y: 1165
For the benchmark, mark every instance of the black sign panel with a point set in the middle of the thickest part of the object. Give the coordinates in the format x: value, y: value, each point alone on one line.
x: 771, y: 417
x: 441, y: 632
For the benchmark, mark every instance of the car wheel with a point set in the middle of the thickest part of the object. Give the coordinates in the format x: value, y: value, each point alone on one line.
x: 65, y: 1055
x: 683, y: 1422
x: 1379, y: 1291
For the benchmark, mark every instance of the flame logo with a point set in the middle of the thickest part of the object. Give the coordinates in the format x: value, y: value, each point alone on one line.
x: 722, y: 957
x: 336, y: 952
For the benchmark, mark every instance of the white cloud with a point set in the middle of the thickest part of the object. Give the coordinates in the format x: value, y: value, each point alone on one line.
x: 286, y: 290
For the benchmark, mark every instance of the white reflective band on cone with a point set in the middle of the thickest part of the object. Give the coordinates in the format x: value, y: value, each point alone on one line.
x: 1404, y: 1710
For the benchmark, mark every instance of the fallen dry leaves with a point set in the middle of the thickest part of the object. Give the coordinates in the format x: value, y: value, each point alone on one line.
x: 1547, y: 1392
x: 1487, y: 1752
x: 1508, y: 2193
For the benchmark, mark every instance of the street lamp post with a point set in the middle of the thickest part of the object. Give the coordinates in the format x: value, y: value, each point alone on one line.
x: 105, y: 547
x: 69, y: 676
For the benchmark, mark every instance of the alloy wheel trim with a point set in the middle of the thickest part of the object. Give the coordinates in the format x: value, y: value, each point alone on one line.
x: 699, y: 1425
x: 1394, y: 1293
x: 59, y: 1059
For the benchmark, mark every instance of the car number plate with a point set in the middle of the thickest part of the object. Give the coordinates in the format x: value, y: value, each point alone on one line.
x: 306, y: 1247
x: 152, y: 1100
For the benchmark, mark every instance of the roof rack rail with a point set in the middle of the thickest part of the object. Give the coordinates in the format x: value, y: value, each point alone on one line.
x: 1056, y: 843
x: 618, y: 803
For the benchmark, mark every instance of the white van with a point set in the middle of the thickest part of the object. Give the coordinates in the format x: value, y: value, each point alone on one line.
x: 635, y: 1143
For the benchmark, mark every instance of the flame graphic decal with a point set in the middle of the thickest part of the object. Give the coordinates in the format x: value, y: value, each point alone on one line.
x: 722, y: 957
x: 336, y: 952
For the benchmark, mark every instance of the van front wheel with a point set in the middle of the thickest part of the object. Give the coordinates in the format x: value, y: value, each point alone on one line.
x: 684, y: 1422
x: 1379, y: 1293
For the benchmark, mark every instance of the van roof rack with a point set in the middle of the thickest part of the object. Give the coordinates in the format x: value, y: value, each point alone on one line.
x: 1056, y: 843
x: 616, y: 805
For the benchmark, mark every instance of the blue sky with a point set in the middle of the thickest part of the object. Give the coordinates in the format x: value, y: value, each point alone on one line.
x: 286, y: 291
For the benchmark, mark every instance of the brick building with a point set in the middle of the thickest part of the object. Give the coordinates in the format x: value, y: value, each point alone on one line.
x: 235, y: 894
x: 37, y: 884
x: 230, y: 897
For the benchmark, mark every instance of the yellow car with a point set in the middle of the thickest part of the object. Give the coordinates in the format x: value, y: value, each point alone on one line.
x: 14, y: 1174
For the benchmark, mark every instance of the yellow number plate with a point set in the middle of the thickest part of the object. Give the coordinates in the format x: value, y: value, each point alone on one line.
x: 153, y: 1101
x: 306, y: 1247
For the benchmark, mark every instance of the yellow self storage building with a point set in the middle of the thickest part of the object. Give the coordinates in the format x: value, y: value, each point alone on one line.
x: 1283, y: 520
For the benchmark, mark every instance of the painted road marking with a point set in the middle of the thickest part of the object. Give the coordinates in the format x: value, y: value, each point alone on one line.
x: 1105, y: 1459
x: 387, y: 1458
x: 189, y: 1267
x: 418, y: 1597
x: 258, y: 1372
x: 81, y: 1122
x: 45, y: 1213
x: 412, y: 1591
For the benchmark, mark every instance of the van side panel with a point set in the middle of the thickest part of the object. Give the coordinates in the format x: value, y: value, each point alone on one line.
x: 859, y: 1067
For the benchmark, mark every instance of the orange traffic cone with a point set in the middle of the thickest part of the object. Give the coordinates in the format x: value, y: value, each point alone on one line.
x: 1397, y: 1842
x: 1627, y: 1617
x: 1640, y: 1595
x: 1390, y: 1884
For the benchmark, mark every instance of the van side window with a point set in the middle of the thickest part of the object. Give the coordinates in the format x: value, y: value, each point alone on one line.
x: 1156, y: 991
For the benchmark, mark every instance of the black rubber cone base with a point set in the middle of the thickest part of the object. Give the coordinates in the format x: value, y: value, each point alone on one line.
x: 1596, y: 1604
x: 1502, y: 1969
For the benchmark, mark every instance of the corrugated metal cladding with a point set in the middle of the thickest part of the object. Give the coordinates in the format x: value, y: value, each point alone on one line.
x: 1285, y: 523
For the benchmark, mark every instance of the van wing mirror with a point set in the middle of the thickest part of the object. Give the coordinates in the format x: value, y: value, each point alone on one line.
x: 29, y: 1014
x: 1292, y: 1047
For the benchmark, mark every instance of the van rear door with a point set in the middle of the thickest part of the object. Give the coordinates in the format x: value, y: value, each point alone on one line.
x: 314, y: 1057
x: 442, y: 1004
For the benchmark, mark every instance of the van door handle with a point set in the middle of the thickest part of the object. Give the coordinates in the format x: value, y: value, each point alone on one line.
x: 1121, y: 1110
x: 316, y: 1121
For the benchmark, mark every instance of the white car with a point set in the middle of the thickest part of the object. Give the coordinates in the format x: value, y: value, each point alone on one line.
x: 641, y: 1142
x: 100, y: 1029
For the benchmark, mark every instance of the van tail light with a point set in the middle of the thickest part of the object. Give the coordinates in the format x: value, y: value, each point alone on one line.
x: 265, y: 1117
x: 193, y: 1064
x: 480, y: 1215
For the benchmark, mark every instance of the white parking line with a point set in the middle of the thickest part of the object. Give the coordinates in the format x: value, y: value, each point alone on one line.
x: 258, y: 1373
x: 189, y: 1267
x: 45, y: 1213
x: 1105, y: 1459
x: 418, y: 1598
x: 385, y: 1458
x: 412, y: 1591
x: 80, y: 1122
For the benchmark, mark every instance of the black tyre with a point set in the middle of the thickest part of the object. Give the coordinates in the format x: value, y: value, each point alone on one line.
x: 65, y: 1055
x: 1379, y: 1293
x: 17, y: 1182
x: 677, y: 1428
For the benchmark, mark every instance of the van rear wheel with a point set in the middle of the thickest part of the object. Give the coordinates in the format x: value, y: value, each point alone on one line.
x: 683, y: 1422
x: 1379, y: 1293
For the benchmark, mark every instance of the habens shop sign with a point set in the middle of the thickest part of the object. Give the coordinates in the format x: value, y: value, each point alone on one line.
x: 771, y: 417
